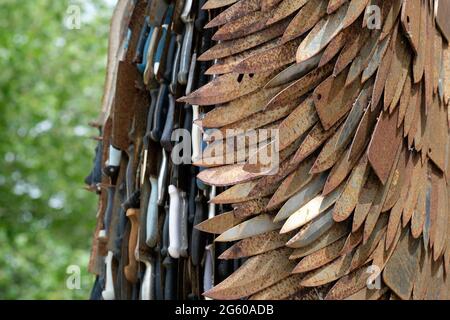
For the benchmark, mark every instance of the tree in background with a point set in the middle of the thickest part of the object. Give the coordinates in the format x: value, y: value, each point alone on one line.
x: 51, y: 82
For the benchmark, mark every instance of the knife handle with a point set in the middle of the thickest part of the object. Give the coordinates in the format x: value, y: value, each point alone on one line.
x: 198, y: 238
x: 160, y: 49
x: 196, y: 135
x: 170, y: 285
x: 108, y: 293
x: 149, y: 70
x: 208, y: 275
x: 166, y: 137
x: 186, y: 52
x: 152, y: 214
x: 202, y: 17
x: 147, y: 282
x: 109, y: 209
x: 174, y: 222
x: 165, y: 237
x: 170, y: 57
x: 159, y: 115
x: 184, y: 226
x: 176, y: 66
x: 143, y: 35
x: 192, y: 193
x: 162, y: 178
x: 211, y: 205
x: 112, y: 165
x: 131, y: 268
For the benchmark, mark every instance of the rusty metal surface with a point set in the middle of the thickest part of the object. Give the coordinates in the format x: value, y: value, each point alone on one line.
x: 270, y: 59
x: 220, y: 223
x: 305, y: 19
x: 406, y: 254
x: 253, y: 227
x: 251, y: 278
x: 256, y: 245
x: 236, y: 11
x: 322, y: 33
x: 285, y: 9
x: 215, y: 4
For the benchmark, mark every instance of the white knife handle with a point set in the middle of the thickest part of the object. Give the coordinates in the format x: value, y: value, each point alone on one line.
x: 208, y: 275
x: 114, y: 156
x: 147, y: 282
x: 174, y: 222
x: 196, y: 134
x: 184, y: 225
x: 162, y: 178
x: 152, y: 214
x: 212, y: 206
x: 108, y: 293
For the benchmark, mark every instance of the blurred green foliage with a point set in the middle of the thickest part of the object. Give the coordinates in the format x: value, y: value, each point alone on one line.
x: 51, y: 83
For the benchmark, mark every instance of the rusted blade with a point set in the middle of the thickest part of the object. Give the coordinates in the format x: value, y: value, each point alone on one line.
x: 243, y: 26
x: 305, y: 19
x: 307, y: 193
x: 235, y: 194
x: 375, y: 56
x: 310, y: 211
x: 315, y: 138
x: 397, y: 181
x: 382, y: 150
x: 356, y: 52
x: 226, y: 88
x: 335, y: 45
x: 285, y: 9
x: 255, y: 226
x: 440, y: 213
x: 301, y: 86
x: 292, y: 184
x: 270, y: 59
x: 231, y: 47
x: 229, y: 64
x: 391, y: 19
x: 438, y: 129
x: 227, y: 175
x: 250, y: 207
x: 419, y: 58
x: 365, y: 201
x: 337, y: 231
x: 236, y: 11
x: 268, y: 4
x: 220, y: 223
x: 333, y: 100
x: 349, y: 284
x: 333, y: 5
x: 297, y: 123
x: 239, y: 108
x: 338, y: 174
x: 352, y: 241
x: 410, y: 19
x: 256, y: 245
x: 215, y: 4
x: 329, y: 154
x: 294, y: 72
x: 256, y: 274
x: 328, y: 273
x: 443, y: 11
x: 355, y: 8
x: 368, y: 294
x: 320, y: 257
x: 281, y: 290
x: 363, y: 132
x: 312, y: 231
x: 363, y: 251
x: 401, y: 269
x: 349, y: 198
x: 322, y: 33
x: 399, y: 67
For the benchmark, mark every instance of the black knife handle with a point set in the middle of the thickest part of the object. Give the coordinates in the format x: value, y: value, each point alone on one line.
x: 160, y: 114
x: 165, y: 237
x: 143, y: 35
x: 170, y: 285
x: 109, y: 208
x: 198, y: 239
x: 166, y: 137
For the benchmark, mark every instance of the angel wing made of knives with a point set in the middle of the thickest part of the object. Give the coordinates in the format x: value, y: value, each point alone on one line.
x: 358, y: 92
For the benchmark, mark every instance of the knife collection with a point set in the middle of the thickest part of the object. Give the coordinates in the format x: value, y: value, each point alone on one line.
x: 362, y: 116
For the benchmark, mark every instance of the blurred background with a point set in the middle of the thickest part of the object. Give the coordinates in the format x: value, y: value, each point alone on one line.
x: 51, y: 82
